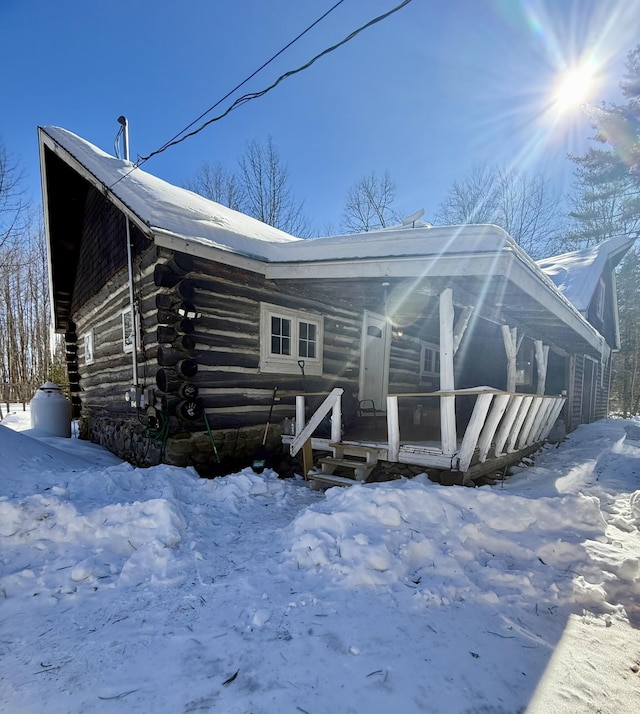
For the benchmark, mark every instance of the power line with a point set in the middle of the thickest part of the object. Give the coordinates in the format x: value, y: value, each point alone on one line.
x: 241, y: 84
x: 255, y: 95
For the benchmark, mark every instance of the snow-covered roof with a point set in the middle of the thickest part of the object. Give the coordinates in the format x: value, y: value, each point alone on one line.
x: 181, y: 220
x: 576, y: 274
x: 162, y: 206
x: 168, y: 209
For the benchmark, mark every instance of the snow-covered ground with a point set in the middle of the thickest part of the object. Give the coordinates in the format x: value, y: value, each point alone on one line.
x: 129, y: 590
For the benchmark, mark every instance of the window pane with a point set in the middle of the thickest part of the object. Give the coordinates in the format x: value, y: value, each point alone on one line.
x: 280, y: 336
x: 307, y: 340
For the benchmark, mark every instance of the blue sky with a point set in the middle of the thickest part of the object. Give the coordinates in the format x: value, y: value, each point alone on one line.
x: 436, y: 88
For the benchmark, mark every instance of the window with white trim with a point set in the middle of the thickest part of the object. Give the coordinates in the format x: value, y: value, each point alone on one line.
x: 429, y: 365
x: 288, y: 337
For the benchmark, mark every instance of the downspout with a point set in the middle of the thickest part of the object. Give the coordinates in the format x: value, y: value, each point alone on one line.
x: 135, y: 396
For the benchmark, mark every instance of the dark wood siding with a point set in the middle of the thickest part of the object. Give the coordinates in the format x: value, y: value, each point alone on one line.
x: 103, y: 246
x: 233, y: 389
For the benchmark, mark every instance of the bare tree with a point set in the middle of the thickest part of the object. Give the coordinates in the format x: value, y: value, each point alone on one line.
x: 520, y: 203
x: 267, y: 196
x: 369, y: 204
x: 472, y: 199
x: 12, y: 205
x: 216, y: 183
x: 24, y: 291
x: 260, y: 188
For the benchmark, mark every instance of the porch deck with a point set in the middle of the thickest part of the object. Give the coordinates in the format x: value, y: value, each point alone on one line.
x: 501, y: 429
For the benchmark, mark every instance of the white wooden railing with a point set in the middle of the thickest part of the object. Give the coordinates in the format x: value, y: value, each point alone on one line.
x: 333, y: 404
x: 509, y: 421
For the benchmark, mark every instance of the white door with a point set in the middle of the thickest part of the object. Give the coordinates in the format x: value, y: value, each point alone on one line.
x: 374, y: 360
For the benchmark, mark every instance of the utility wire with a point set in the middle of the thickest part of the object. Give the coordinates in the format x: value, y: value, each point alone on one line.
x: 251, y: 76
x: 255, y: 95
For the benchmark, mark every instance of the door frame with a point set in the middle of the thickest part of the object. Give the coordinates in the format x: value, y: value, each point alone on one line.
x: 366, y: 317
x: 592, y: 388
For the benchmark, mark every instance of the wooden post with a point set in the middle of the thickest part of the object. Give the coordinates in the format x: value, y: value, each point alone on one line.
x: 307, y: 457
x: 448, y: 434
x: 542, y: 360
x: 336, y: 421
x: 472, y: 432
x: 507, y: 423
x: 461, y: 326
x: 491, y: 425
x: 519, y: 421
x: 393, y: 429
x: 510, y: 339
x: 299, y: 413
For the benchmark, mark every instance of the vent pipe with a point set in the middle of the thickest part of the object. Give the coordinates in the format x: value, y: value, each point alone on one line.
x: 122, y: 120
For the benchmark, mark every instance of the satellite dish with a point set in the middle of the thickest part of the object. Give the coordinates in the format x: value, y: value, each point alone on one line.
x: 411, y: 220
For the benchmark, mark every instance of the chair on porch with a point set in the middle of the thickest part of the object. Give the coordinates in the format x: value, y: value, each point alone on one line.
x: 366, y: 407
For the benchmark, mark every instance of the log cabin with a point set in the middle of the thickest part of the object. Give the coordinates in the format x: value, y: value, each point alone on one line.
x: 194, y: 333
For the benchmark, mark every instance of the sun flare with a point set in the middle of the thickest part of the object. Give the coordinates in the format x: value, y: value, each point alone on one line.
x: 574, y: 86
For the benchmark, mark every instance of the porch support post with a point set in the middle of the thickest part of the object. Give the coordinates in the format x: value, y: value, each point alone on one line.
x: 393, y: 429
x: 336, y: 421
x: 542, y: 360
x: 511, y: 345
x: 461, y: 326
x: 447, y: 380
x: 299, y: 413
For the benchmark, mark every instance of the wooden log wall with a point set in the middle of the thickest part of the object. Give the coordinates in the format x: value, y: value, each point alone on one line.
x: 226, y: 336
x: 104, y: 382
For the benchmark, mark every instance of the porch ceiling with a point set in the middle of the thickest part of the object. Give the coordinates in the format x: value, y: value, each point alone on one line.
x: 496, y: 299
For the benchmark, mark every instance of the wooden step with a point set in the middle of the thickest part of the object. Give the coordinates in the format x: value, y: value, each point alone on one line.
x: 347, y: 463
x: 318, y: 480
x: 368, y: 453
x: 361, y: 469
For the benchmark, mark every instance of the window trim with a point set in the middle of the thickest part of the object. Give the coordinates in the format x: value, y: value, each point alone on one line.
x: 88, y: 347
x: 287, y: 364
x: 425, y: 376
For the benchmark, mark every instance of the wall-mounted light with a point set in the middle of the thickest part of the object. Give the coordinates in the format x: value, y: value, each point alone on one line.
x: 385, y: 292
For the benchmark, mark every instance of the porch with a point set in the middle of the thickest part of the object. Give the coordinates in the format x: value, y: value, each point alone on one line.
x: 502, y: 428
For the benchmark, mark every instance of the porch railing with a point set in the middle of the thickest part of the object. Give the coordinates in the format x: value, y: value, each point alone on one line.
x: 505, y: 421
x: 333, y: 404
x: 508, y: 421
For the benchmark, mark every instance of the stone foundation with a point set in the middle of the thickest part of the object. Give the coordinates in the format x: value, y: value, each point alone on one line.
x: 127, y: 436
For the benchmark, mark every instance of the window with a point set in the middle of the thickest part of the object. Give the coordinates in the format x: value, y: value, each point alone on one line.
x: 429, y: 364
x: 88, y: 347
x: 288, y: 337
x: 524, y: 364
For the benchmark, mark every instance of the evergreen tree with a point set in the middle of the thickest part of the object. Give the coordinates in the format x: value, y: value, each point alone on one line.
x: 606, y: 202
x: 607, y: 194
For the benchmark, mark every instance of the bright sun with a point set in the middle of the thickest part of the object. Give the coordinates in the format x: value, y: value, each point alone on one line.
x: 574, y: 87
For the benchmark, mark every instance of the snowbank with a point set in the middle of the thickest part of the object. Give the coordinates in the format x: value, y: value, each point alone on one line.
x: 125, y: 589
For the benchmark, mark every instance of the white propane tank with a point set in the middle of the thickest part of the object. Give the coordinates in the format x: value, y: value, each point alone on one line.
x: 51, y: 411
